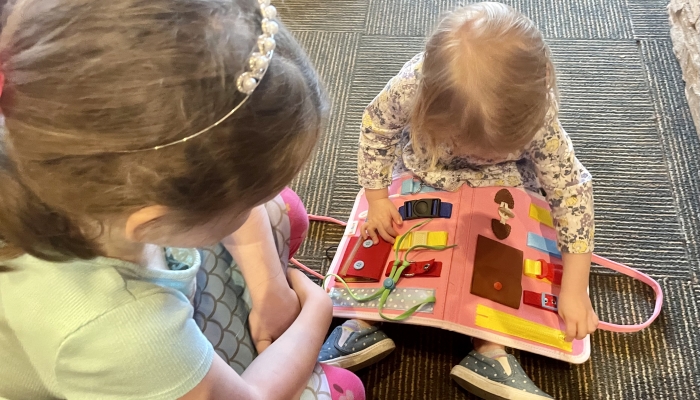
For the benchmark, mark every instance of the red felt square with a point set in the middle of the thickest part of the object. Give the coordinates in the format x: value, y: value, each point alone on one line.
x: 417, y: 268
x: 364, y: 261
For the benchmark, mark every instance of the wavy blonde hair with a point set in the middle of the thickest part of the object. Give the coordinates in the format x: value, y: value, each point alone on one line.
x: 487, y: 82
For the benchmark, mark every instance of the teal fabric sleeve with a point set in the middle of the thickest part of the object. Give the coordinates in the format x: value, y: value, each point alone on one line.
x: 149, y: 348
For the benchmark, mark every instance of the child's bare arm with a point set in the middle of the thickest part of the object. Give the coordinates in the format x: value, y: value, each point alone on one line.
x: 574, y: 303
x: 275, y: 305
x: 288, y: 362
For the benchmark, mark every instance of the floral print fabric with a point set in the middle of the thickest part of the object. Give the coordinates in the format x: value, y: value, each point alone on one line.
x: 548, y: 161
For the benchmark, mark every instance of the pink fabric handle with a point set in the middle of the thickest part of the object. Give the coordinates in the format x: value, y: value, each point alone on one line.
x: 640, y: 276
x: 326, y: 219
x: 321, y: 219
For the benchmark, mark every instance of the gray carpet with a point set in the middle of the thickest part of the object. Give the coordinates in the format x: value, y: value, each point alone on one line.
x: 622, y: 103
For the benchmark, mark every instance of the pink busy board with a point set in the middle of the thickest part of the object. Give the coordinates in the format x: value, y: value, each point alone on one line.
x: 499, y: 283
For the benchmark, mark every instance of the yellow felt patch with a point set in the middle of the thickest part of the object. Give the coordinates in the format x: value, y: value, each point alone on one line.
x: 429, y: 238
x: 499, y: 321
x: 438, y: 238
x: 532, y: 268
x: 541, y: 215
x: 406, y: 243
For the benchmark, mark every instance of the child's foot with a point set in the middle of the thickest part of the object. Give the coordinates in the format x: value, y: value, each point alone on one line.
x: 355, y: 345
x: 497, y: 378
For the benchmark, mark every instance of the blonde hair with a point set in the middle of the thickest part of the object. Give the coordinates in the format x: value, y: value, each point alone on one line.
x: 487, y: 81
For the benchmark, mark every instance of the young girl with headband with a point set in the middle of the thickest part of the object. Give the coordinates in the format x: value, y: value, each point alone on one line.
x: 133, y: 132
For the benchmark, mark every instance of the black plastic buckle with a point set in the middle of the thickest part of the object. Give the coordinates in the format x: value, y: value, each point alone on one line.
x: 423, y: 208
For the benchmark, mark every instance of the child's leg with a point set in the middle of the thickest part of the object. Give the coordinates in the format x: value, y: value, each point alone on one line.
x: 489, y: 371
x: 332, y: 383
x: 355, y: 344
x: 222, y: 306
x: 298, y: 220
x: 495, y: 375
x: 222, y: 303
x: 484, y: 347
x: 289, y: 222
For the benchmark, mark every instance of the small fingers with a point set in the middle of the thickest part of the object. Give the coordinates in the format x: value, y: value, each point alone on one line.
x: 390, y: 230
x: 372, y: 232
x: 570, y: 332
x: 363, y: 230
x: 396, y: 217
x: 581, y: 330
x: 385, y: 235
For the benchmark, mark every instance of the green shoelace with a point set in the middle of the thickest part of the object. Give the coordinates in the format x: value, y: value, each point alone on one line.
x: 390, y: 283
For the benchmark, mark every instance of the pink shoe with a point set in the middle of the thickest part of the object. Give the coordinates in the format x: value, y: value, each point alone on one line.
x: 344, y: 384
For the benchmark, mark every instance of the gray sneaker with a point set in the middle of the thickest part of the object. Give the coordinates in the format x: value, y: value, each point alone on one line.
x: 354, y: 348
x: 489, y: 379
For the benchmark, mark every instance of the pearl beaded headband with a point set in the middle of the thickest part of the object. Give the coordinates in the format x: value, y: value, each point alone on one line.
x: 247, y: 81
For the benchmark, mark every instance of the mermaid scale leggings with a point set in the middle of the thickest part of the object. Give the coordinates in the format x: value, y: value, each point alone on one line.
x: 222, y: 303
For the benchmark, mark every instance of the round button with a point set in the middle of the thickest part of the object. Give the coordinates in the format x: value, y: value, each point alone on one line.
x: 359, y: 264
x: 421, y: 207
x: 368, y: 243
x: 498, y: 286
x: 389, y: 284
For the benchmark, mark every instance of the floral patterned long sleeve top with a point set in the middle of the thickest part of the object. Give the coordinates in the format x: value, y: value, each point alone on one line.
x: 385, y: 147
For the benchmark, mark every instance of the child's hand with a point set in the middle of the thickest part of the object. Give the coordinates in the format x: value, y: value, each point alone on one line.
x: 380, y: 215
x: 574, y: 304
x: 577, y: 312
x: 308, y: 293
x: 272, y: 314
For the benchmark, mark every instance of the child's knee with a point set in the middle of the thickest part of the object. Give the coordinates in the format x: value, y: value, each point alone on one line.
x: 298, y: 219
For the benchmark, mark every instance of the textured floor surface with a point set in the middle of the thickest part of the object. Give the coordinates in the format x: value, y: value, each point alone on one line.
x: 623, y: 105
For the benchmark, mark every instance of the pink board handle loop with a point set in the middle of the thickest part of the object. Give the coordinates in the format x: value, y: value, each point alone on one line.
x: 640, y: 276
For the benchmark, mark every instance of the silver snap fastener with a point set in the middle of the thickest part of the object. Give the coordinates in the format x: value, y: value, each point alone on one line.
x: 368, y: 243
x: 359, y: 264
